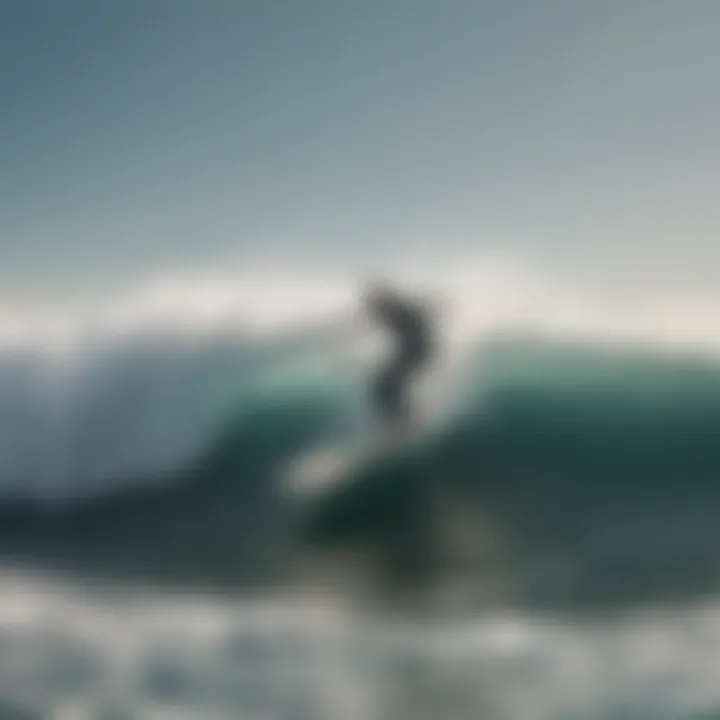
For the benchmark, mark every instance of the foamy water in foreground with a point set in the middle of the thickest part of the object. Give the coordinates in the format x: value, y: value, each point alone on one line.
x: 80, y: 653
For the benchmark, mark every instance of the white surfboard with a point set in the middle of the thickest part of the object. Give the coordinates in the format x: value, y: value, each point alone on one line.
x: 324, y: 468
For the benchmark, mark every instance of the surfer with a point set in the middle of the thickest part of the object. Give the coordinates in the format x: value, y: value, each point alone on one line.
x: 408, y: 322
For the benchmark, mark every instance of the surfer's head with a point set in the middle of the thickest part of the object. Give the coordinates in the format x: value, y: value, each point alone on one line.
x: 379, y: 293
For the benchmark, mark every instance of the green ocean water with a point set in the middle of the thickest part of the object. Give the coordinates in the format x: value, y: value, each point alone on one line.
x: 605, y: 460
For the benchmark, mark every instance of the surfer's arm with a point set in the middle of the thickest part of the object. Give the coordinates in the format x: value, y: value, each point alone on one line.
x: 328, y: 330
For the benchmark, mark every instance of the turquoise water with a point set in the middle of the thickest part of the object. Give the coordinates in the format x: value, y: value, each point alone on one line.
x: 609, y: 458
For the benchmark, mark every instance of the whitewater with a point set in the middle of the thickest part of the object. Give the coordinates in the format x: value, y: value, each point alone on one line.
x: 551, y: 554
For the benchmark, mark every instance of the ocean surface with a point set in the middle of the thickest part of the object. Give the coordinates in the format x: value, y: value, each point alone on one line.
x: 549, y: 551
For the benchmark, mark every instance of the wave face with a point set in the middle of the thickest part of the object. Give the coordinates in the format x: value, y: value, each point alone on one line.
x: 597, y: 467
x: 141, y: 389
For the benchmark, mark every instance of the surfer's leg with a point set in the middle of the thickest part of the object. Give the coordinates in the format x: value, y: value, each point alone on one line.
x: 387, y: 395
x: 408, y: 365
x: 391, y: 388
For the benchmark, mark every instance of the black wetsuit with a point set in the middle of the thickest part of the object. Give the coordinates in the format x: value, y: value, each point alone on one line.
x: 408, y: 324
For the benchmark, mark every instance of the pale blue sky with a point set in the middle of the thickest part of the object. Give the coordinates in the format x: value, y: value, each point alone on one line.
x: 138, y: 136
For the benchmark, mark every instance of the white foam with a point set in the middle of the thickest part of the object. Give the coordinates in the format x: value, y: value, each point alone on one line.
x: 66, y: 649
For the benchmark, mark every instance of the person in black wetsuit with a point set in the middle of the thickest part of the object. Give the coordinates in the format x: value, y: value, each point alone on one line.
x: 409, y: 324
